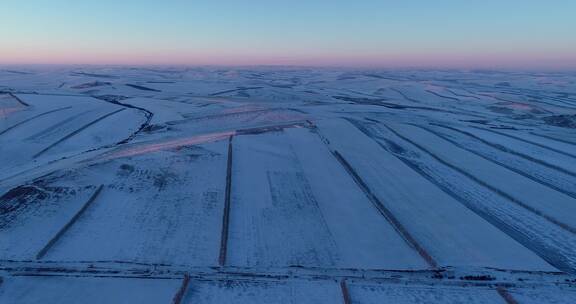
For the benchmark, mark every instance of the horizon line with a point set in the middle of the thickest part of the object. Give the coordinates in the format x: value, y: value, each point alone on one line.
x: 303, y: 66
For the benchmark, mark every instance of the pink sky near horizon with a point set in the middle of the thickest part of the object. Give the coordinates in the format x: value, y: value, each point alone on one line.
x: 558, y: 60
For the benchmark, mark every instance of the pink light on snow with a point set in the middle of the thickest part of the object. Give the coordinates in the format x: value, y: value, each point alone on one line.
x: 5, y: 112
x: 171, y: 144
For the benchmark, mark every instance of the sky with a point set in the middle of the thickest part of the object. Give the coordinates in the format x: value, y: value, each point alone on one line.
x: 350, y: 33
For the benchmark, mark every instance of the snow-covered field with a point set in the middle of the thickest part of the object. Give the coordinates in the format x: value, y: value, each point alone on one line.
x: 286, y: 185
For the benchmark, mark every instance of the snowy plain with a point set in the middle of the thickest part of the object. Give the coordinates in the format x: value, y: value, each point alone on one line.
x: 286, y: 185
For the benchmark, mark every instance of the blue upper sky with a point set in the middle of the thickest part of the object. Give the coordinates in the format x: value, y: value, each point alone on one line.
x: 443, y: 33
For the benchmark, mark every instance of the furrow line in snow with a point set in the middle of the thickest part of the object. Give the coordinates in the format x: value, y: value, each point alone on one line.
x: 410, y: 240
x: 142, y: 88
x: 504, y: 149
x: 76, y: 132
x: 71, y: 222
x: 530, y: 104
x: 506, y: 296
x: 536, y: 95
x: 558, y: 260
x: 504, y: 165
x: 501, y: 193
x: 461, y: 95
x: 51, y: 130
x: 32, y: 118
x: 345, y: 292
x: 442, y: 96
x: 235, y: 90
x: 18, y: 99
x: 179, y: 296
x: 226, y: 213
x: 528, y: 142
x: 405, y: 96
x: 555, y: 139
x: 272, y: 128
